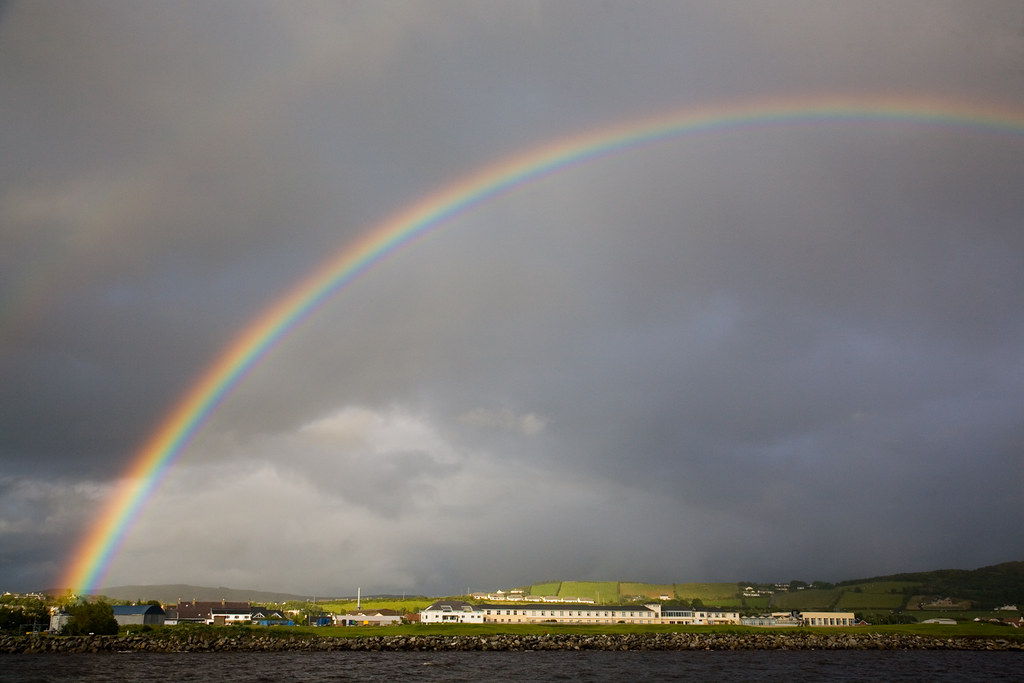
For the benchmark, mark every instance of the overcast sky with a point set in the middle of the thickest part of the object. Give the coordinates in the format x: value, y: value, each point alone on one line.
x: 767, y: 353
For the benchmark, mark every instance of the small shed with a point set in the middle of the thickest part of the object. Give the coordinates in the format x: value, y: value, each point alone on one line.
x: 149, y: 615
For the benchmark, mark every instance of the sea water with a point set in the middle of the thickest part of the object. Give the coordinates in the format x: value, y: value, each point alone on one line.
x: 425, y: 667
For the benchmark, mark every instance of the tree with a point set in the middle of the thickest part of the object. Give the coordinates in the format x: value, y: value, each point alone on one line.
x: 92, y: 617
x: 30, y: 613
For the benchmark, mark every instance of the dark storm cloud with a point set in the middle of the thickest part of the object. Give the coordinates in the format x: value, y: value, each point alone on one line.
x: 691, y: 361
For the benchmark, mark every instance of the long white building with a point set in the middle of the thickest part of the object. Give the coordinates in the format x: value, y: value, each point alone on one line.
x: 569, y: 614
x: 461, y: 612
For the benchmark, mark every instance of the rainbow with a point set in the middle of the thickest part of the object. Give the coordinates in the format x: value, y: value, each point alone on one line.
x: 97, y: 549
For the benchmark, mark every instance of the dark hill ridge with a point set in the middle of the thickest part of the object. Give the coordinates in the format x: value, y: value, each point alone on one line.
x: 987, y: 587
x: 990, y: 586
x: 171, y: 593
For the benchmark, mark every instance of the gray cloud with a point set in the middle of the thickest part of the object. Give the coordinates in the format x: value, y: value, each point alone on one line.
x: 766, y: 352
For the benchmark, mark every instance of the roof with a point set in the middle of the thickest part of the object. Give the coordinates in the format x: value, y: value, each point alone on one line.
x: 452, y: 606
x: 125, y: 610
x: 375, y: 612
x: 563, y: 606
x: 272, y: 613
x: 196, y: 609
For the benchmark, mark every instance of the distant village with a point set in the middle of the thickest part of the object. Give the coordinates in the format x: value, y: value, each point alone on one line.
x: 519, y: 606
x: 503, y: 609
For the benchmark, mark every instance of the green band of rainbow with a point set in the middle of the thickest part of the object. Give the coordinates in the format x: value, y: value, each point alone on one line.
x: 98, y: 548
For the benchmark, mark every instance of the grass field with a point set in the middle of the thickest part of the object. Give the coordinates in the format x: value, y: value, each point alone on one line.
x: 880, y: 586
x: 760, y: 603
x: 962, y: 615
x: 549, y: 588
x: 733, y: 603
x: 709, y: 593
x: 606, y: 592
x: 654, y: 591
x: 850, y: 600
x: 809, y: 599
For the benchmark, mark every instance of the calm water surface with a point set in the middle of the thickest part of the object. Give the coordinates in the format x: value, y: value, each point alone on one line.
x: 519, y: 666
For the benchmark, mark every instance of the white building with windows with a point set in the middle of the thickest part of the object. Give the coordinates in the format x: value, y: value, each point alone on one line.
x: 460, y: 612
x: 539, y: 613
x: 452, y: 612
x: 697, y: 616
x: 827, y: 618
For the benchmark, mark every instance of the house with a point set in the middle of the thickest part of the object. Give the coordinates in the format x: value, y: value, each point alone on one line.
x: 538, y: 613
x: 203, y: 612
x: 265, y: 614
x: 321, y: 619
x: 697, y: 616
x: 452, y: 612
x: 772, y: 621
x: 224, y: 616
x: 142, y: 615
x: 377, y: 617
x: 827, y: 619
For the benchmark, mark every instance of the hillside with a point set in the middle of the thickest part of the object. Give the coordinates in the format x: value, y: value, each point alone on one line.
x: 992, y: 586
x: 946, y: 589
x: 172, y: 592
x: 942, y: 590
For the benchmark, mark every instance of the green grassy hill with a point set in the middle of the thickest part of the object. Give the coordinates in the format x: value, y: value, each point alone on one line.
x: 986, y: 588
x: 932, y: 593
x: 982, y: 589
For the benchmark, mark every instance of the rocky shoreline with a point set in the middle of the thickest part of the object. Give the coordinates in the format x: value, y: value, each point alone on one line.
x: 800, y: 640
